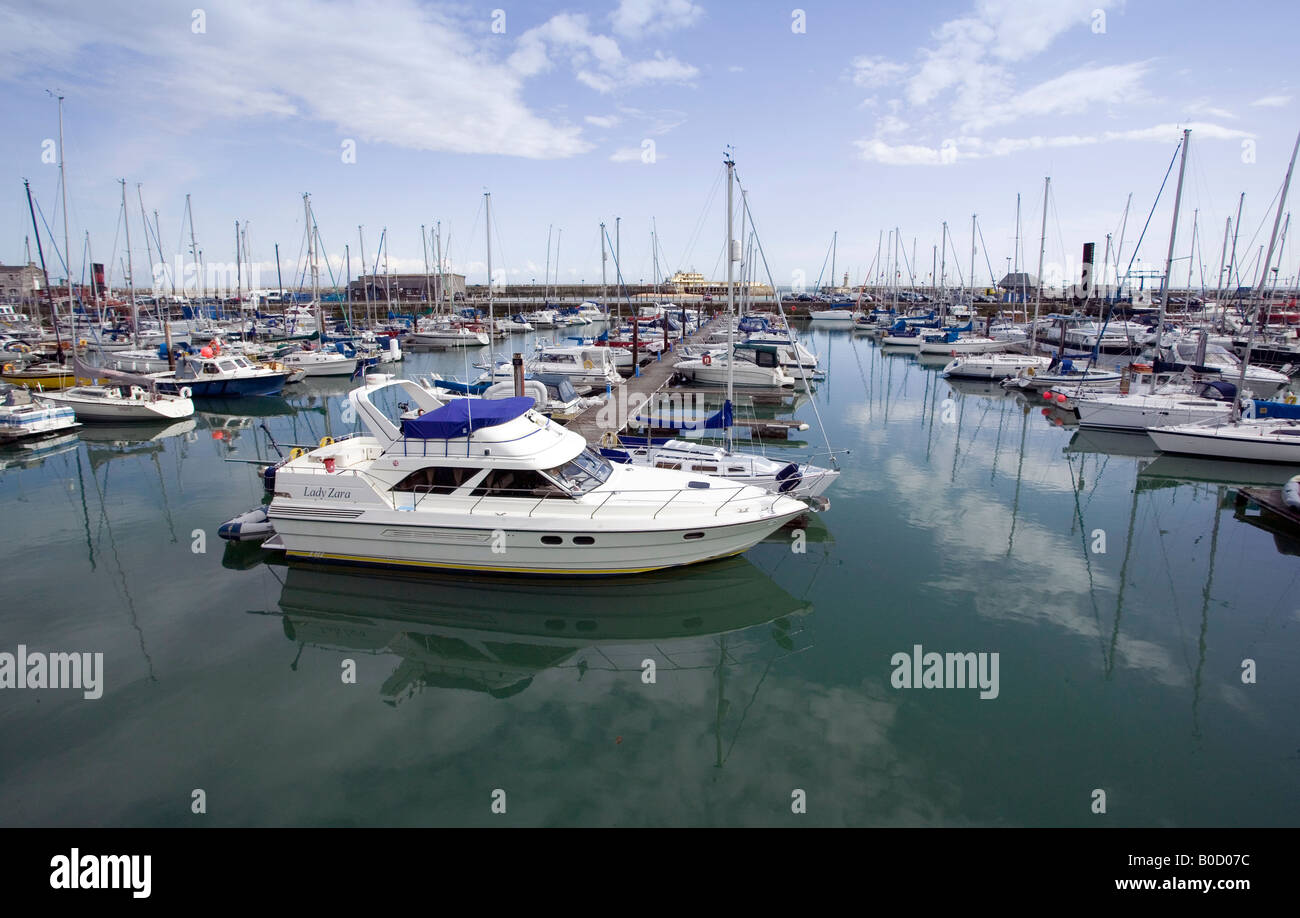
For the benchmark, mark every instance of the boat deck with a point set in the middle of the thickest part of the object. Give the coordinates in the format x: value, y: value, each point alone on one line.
x: 655, y: 374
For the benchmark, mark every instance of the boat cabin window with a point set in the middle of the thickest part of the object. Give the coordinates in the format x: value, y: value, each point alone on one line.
x: 583, y: 472
x: 227, y: 365
x: 517, y: 483
x: 436, y: 479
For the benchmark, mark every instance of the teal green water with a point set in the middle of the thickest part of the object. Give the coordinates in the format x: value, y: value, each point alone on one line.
x: 964, y: 522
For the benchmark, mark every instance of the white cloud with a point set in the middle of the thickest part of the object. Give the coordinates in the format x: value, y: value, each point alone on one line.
x: 1272, y: 102
x: 1070, y: 93
x: 872, y: 72
x: 965, y: 148
x: 603, y: 121
x: 1203, y: 107
x: 643, y: 17
x: 430, y: 77
x: 970, y: 53
x: 597, y: 61
x: 631, y: 155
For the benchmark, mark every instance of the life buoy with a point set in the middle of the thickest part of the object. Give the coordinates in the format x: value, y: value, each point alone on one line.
x: 326, y: 441
x: 1033, y: 371
x: 9, y: 367
x: 186, y: 392
x: 587, y: 365
x: 707, y: 359
x: 296, y: 452
x: 1290, y: 398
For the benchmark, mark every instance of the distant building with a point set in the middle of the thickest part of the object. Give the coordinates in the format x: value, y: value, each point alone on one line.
x: 19, y: 283
x: 1017, y: 287
x: 376, y: 288
x: 691, y: 283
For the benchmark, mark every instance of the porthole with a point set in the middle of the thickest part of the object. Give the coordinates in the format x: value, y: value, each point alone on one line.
x: 583, y: 540
x: 552, y: 540
x: 693, y: 535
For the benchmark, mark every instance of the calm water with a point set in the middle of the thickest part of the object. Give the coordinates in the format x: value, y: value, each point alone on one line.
x: 964, y: 521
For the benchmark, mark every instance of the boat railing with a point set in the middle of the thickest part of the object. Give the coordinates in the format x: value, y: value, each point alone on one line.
x: 421, y: 492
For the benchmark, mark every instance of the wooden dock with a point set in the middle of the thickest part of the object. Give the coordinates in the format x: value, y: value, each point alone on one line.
x: 1270, y: 502
x: 655, y: 373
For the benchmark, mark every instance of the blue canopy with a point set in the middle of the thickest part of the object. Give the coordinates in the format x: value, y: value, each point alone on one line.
x: 463, y: 416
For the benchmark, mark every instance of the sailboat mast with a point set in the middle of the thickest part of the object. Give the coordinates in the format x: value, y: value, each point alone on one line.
x: 40, y: 253
x: 1223, y: 257
x: 604, y: 291
x: 424, y: 251
x: 1166, y: 282
x: 130, y: 270
x: 1272, y: 241
x: 487, y: 229
x: 731, y: 298
x: 971, y: 312
x: 63, y: 182
x: 239, y: 271
x: 388, y: 277
x: 442, y: 268
x: 315, y: 273
x: 943, y: 262
x: 546, y: 278
x: 194, y: 250
x: 835, y: 236
x: 1042, y: 251
x: 365, y: 285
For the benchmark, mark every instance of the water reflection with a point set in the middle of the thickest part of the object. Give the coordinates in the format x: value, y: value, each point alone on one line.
x: 495, y: 635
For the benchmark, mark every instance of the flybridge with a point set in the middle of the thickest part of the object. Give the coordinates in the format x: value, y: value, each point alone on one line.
x: 461, y: 417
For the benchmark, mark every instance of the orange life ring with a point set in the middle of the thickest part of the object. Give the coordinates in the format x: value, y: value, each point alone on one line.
x: 707, y: 359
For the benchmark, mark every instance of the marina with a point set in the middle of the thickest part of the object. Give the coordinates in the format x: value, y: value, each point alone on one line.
x: 990, y: 548
x: 740, y: 512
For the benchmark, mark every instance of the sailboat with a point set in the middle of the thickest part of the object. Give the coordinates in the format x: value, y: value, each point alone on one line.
x: 801, y: 480
x: 317, y: 362
x: 1248, y: 439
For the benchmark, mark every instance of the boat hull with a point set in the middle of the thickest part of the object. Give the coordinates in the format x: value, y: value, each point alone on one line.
x: 1141, y: 413
x: 1222, y: 443
x: 388, y: 540
x: 239, y: 387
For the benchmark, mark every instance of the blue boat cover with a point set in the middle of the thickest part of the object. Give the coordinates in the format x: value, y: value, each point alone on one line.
x: 463, y: 416
x: 453, y: 385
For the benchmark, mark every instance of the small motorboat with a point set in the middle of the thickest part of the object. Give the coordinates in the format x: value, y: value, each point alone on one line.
x: 22, y: 415
x: 124, y: 403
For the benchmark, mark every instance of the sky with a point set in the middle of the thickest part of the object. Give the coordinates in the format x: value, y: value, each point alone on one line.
x: 852, y: 119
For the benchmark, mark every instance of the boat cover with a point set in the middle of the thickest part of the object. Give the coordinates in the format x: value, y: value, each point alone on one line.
x: 463, y: 416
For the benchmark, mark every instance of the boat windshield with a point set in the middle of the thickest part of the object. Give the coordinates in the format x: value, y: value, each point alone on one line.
x: 583, y: 472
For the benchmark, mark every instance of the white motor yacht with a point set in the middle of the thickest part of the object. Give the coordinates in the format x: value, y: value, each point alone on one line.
x: 801, y: 480
x: 752, y: 368
x: 493, y: 485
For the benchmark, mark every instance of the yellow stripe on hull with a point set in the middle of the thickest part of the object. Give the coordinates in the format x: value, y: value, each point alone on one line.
x: 49, y: 382
x: 361, y: 559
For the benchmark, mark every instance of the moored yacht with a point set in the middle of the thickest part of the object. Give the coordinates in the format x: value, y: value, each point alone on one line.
x: 492, y: 485
x: 123, y: 403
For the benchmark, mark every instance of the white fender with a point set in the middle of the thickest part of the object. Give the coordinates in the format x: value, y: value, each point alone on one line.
x: 1291, y: 493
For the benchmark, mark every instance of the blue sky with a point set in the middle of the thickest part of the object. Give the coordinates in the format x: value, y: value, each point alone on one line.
x: 874, y: 116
